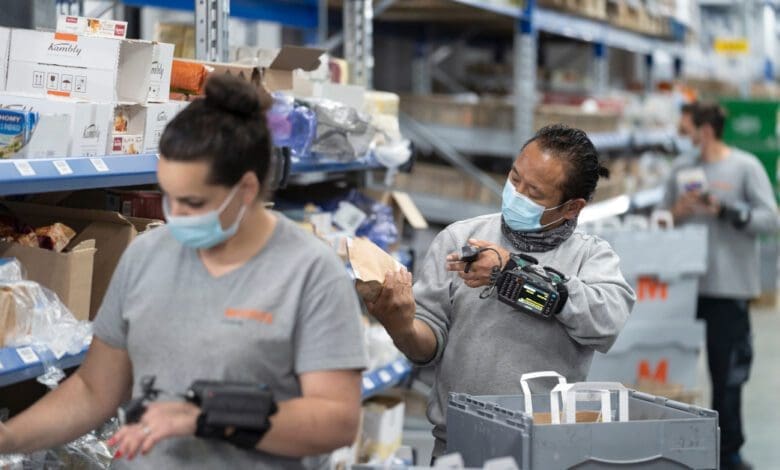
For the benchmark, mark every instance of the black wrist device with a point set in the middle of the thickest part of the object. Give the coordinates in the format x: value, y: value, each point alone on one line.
x: 530, y: 288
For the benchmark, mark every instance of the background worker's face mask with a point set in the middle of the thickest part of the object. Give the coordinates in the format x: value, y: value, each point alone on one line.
x: 522, y: 214
x: 203, y: 231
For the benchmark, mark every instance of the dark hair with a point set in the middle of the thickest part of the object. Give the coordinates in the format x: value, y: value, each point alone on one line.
x: 227, y: 128
x: 582, y: 160
x: 689, y: 108
x: 711, y: 114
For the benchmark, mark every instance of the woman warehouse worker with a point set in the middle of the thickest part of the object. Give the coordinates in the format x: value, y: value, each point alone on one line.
x: 226, y: 291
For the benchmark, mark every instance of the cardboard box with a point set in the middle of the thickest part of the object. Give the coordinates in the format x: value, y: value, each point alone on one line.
x: 68, y: 274
x: 5, y: 47
x: 127, y: 130
x: 96, y: 69
x: 278, y: 66
x: 88, y: 130
x: 93, y: 27
x: 160, y: 79
x: 383, y: 426
x: 157, y: 117
x: 108, y: 232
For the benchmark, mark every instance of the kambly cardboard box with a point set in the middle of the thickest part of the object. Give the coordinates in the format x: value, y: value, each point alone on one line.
x: 68, y: 65
x: 160, y: 75
x: 157, y: 117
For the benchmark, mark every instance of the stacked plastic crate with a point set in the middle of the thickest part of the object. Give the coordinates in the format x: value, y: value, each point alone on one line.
x: 660, y: 346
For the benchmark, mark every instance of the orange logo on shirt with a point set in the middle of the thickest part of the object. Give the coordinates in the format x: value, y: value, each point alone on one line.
x: 256, y: 315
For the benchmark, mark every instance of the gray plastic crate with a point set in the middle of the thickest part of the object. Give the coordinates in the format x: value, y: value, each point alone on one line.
x: 675, y: 300
x: 661, y: 434
x: 668, y: 254
x: 679, y: 344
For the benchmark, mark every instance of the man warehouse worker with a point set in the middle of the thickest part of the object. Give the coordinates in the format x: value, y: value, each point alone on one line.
x: 728, y: 191
x: 482, y: 346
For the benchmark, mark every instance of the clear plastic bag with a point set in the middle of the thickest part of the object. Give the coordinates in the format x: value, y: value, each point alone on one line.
x: 343, y: 133
x: 41, y: 319
x: 11, y: 270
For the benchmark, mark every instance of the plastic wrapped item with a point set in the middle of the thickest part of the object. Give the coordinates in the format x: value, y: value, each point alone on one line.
x: 89, y: 452
x: 11, y: 270
x: 379, y: 225
x: 343, y: 133
x: 37, y: 317
x: 292, y: 125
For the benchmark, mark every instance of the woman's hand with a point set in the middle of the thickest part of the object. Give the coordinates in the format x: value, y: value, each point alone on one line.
x: 162, y: 420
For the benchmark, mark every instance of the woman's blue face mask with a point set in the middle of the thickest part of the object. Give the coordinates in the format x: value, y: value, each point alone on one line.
x: 203, y: 231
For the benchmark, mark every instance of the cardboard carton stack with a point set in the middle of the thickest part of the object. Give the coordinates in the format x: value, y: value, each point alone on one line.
x: 83, y: 90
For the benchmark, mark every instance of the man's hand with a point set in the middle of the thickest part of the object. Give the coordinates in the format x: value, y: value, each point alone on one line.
x: 395, y: 308
x: 162, y: 420
x: 686, y: 205
x: 481, y: 270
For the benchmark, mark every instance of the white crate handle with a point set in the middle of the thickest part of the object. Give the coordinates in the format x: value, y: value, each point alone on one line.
x: 571, y: 392
x: 529, y: 408
x: 659, y: 216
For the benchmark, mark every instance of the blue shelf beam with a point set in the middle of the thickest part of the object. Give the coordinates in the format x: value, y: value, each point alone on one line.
x: 294, y: 13
x: 25, y: 363
x: 384, y: 378
x: 31, y: 176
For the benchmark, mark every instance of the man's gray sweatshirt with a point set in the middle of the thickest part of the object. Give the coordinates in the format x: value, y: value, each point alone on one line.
x: 484, y: 346
x: 732, y: 269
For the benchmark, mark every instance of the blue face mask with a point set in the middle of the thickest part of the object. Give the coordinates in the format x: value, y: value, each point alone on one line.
x: 202, y: 231
x: 521, y: 213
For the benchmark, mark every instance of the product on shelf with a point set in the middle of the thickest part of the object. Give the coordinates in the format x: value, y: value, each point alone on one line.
x: 188, y: 77
x: 127, y: 132
x: 65, y: 127
x: 95, y: 27
x: 16, y: 130
x: 53, y: 237
x: 343, y: 133
x: 292, y: 125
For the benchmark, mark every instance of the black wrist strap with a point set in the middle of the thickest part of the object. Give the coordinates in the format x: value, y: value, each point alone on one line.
x: 563, y: 292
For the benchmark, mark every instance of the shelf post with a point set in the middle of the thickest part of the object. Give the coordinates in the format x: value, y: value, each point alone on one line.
x: 600, y: 68
x: 525, y: 49
x: 212, y: 19
x: 358, y: 41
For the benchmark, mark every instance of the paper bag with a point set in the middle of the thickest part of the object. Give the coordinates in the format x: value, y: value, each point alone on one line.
x: 369, y: 263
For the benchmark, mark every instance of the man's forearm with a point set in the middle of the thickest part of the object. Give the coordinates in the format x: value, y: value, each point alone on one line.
x: 418, y: 342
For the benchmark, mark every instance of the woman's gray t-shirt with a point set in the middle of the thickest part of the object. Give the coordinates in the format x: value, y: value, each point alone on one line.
x: 289, y: 310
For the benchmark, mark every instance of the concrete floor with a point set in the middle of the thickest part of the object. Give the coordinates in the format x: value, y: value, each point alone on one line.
x: 761, y: 397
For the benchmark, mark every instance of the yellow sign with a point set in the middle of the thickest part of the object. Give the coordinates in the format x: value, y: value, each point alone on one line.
x: 732, y: 46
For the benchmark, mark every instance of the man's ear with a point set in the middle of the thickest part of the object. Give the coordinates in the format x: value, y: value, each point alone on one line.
x: 573, y: 208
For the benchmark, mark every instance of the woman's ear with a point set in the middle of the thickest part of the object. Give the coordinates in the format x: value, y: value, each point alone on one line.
x: 250, y: 187
x: 573, y: 208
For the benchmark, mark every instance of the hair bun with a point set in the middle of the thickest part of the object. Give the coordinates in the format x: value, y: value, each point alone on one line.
x: 233, y: 95
x: 603, y: 172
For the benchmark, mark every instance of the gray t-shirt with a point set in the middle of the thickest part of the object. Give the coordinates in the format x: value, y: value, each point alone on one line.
x: 289, y: 310
x: 484, y: 346
x: 733, y: 267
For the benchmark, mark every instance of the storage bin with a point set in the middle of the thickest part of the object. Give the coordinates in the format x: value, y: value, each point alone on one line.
x: 665, y: 353
x: 660, y: 434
